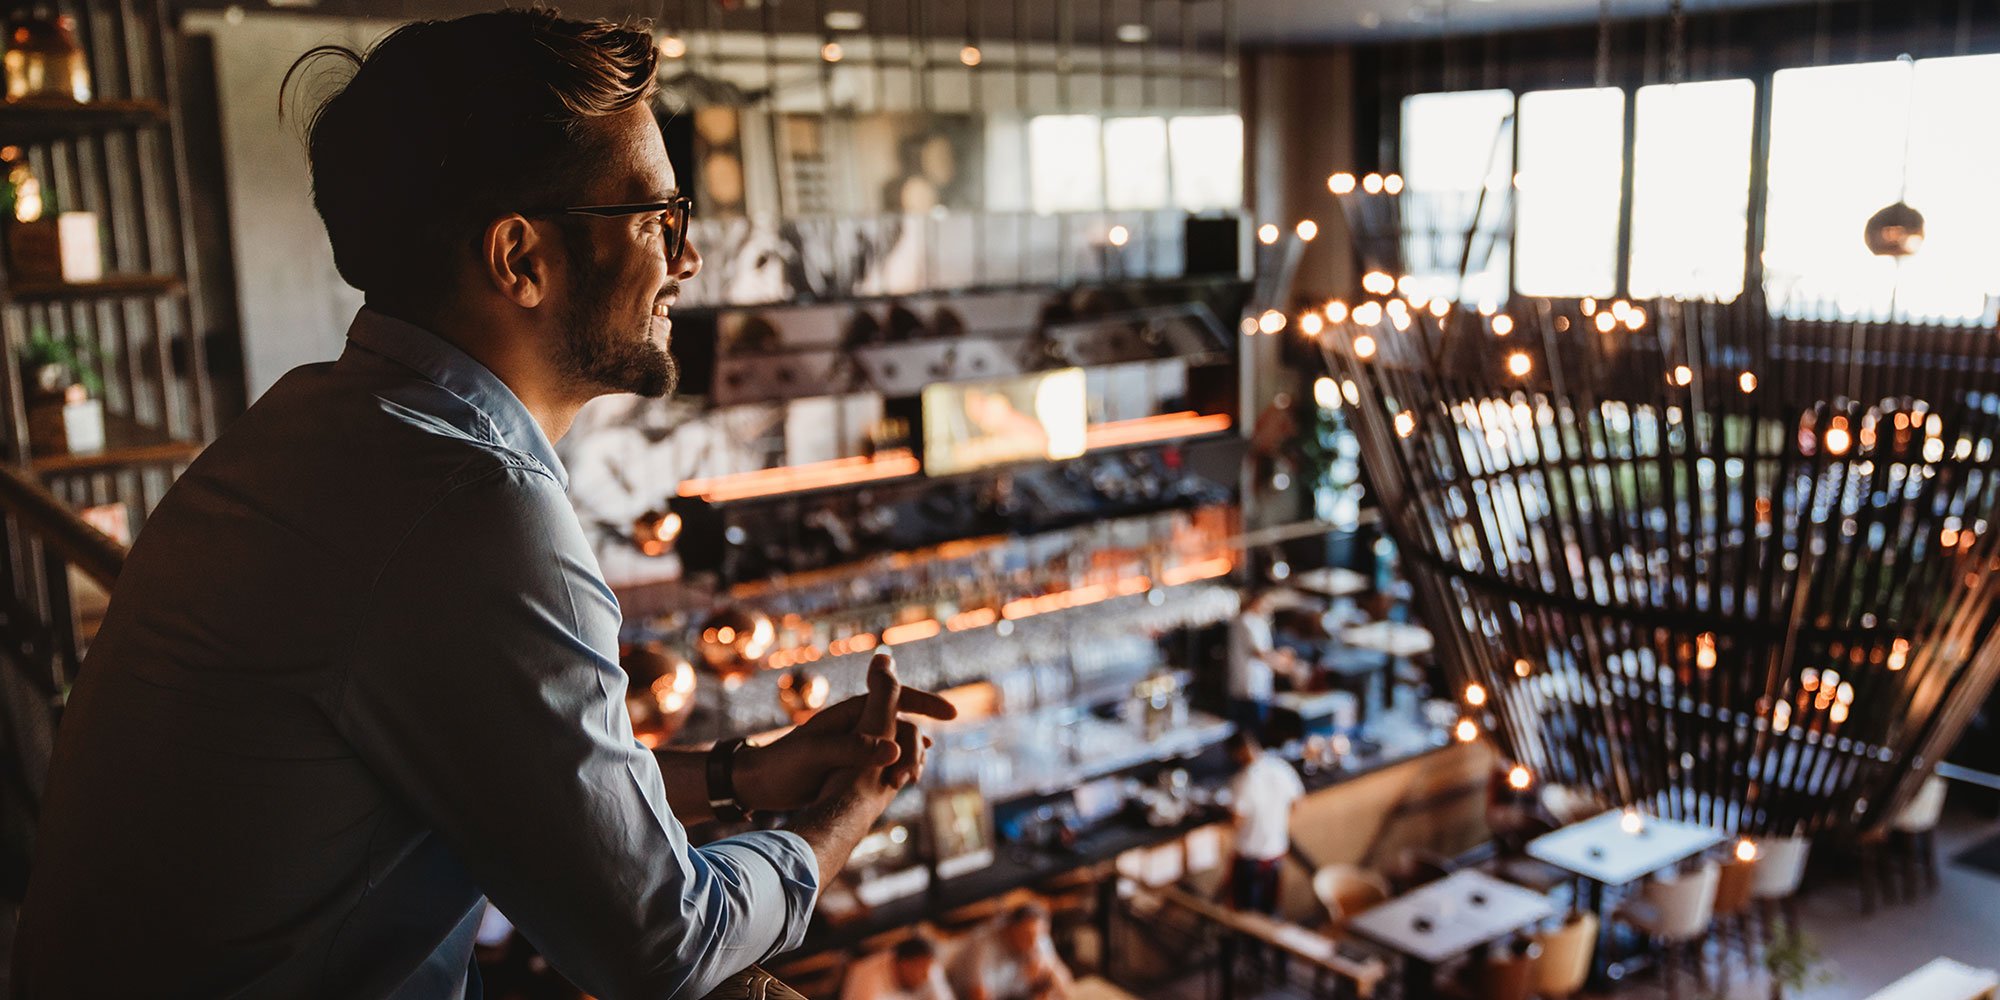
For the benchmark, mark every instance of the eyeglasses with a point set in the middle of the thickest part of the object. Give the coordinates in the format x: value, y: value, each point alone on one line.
x: 673, y: 214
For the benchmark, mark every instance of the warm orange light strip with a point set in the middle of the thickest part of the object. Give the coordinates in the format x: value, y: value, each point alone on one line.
x: 1159, y: 427
x: 896, y: 635
x: 976, y: 618
x: 792, y: 478
x: 1205, y: 570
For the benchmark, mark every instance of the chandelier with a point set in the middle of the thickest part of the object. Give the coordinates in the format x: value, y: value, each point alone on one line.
x: 1729, y: 567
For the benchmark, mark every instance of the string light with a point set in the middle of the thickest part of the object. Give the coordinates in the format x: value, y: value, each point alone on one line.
x: 1747, y: 381
x: 1519, y: 779
x: 1704, y: 651
x: 1635, y: 318
x: 1522, y: 668
x: 1326, y: 393
x: 1838, y: 440
x: 1605, y: 323
x: 1367, y: 313
x: 1466, y: 730
x: 832, y: 52
x: 1631, y: 822
x: 1118, y: 236
x: 1340, y: 183
x: 1475, y: 695
x: 1503, y: 325
x: 1267, y: 234
x: 1393, y: 184
x: 1307, y: 229
x: 672, y: 47
x: 1440, y: 308
x: 1781, y: 717
x: 1311, y: 324
x: 1377, y: 283
x: 970, y: 55
x: 1588, y: 305
x: 1372, y: 183
x: 1899, y: 654
x: 1364, y: 347
x: 1271, y: 322
x: 1336, y: 311
x: 1746, y: 850
x: 1519, y: 364
x: 1683, y: 375
x: 1406, y: 424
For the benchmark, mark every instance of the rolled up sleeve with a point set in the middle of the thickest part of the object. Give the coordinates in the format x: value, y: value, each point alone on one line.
x: 482, y: 685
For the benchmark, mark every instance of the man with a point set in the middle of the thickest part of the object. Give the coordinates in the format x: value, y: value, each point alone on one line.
x: 1015, y: 959
x: 909, y: 971
x: 360, y: 669
x: 1255, y: 659
x: 1261, y: 799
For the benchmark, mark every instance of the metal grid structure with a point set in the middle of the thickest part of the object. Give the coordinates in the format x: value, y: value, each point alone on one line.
x: 1727, y: 567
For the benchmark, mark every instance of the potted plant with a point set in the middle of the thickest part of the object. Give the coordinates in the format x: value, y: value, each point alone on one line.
x: 64, y: 396
x: 1794, y: 963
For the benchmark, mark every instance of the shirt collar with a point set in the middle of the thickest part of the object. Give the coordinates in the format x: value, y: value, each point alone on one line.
x: 441, y: 362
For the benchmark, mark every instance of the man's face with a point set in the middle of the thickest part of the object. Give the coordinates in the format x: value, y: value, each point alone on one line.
x: 1023, y: 935
x: 913, y: 972
x: 614, y: 327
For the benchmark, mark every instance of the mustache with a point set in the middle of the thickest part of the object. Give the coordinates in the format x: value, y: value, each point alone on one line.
x: 672, y: 291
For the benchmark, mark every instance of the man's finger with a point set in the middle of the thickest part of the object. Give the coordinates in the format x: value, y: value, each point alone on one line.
x: 855, y: 750
x: 878, y: 712
x: 916, y: 701
x: 910, y: 759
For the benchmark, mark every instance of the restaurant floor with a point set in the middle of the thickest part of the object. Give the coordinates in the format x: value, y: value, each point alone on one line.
x: 1961, y: 921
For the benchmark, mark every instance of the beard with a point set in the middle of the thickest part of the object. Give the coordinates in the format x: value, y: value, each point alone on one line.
x: 609, y: 352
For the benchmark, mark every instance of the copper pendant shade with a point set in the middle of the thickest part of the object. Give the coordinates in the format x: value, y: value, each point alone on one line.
x: 1896, y: 231
x: 1721, y: 566
x: 660, y: 691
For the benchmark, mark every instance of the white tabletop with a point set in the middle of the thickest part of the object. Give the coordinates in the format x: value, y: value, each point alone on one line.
x: 1942, y: 979
x: 1442, y: 920
x: 1393, y: 638
x: 1332, y: 581
x: 1599, y: 849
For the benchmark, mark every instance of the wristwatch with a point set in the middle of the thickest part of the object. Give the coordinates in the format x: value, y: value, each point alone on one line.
x: 722, y: 781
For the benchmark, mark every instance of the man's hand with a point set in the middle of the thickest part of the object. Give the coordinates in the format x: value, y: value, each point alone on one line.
x: 799, y: 768
x: 852, y: 798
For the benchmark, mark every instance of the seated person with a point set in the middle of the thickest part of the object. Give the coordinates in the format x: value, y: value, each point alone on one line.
x: 1013, y: 959
x: 909, y: 971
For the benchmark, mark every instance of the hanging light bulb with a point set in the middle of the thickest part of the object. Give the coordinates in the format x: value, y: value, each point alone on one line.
x: 1271, y: 322
x: 672, y: 46
x: 1406, y: 424
x: 1503, y: 325
x: 832, y: 52
x: 1392, y: 184
x: 1519, y: 779
x: 1631, y: 822
x: 1118, y: 236
x: 1838, y: 440
x: 1326, y: 393
x: 1364, y: 347
x: 1336, y: 311
x: 1311, y: 324
x: 1519, y: 364
x: 1306, y: 229
x: 1466, y: 730
x: 1704, y: 651
x: 1522, y: 668
x: 1372, y: 183
x: 1896, y: 231
x: 1606, y: 322
x: 1367, y: 313
x: 1747, y: 382
x: 1267, y: 234
x: 1475, y: 695
x: 1746, y: 850
x: 1340, y: 183
x: 971, y: 56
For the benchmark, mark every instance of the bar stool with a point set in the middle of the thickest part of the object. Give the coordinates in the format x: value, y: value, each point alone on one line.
x: 1346, y: 890
x: 1676, y: 914
x: 1734, y: 883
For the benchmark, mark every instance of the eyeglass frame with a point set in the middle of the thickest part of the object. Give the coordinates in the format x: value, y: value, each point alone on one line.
x: 681, y: 205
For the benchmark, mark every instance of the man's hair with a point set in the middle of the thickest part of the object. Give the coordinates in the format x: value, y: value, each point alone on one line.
x: 915, y: 946
x: 1030, y: 910
x: 443, y: 126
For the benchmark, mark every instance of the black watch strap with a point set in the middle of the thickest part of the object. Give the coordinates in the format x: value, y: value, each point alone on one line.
x: 722, y: 782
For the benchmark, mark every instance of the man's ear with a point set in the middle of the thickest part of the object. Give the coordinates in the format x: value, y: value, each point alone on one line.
x: 514, y: 259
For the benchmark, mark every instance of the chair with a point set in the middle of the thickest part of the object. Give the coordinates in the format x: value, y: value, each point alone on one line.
x: 1916, y: 827
x: 1415, y: 866
x: 1507, y: 976
x: 1781, y: 869
x: 1566, y: 955
x: 1733, y: 884
x: 1346, y: 890
x: 1676, y: 914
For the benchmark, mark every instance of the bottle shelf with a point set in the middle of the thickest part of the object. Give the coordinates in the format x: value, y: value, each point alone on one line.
x: 40, y: 119
x: 109, y: 286
x: 127, y: 442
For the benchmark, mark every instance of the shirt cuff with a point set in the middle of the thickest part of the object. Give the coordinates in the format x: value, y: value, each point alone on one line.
x: 780, y: 866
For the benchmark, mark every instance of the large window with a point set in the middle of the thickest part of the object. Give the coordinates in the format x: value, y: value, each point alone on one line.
x: 1691, y: 189
x: 1207, y: 161
x: 1065, y: 163
x: 1456, y: 146
x: 1847, y: 141
x: 1571, y: 181
x: 1135, y: 164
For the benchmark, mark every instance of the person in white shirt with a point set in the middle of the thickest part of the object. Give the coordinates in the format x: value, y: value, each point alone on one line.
x: 1255, y: 660
x: 909, y: 971
x: 1015, y: 959
x: 1261, y: 796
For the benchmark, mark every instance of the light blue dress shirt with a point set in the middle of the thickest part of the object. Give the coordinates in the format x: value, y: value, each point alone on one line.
x: 360, y: 672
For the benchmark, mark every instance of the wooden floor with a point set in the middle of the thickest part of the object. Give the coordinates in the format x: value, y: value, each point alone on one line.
x: 1961, y: 921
